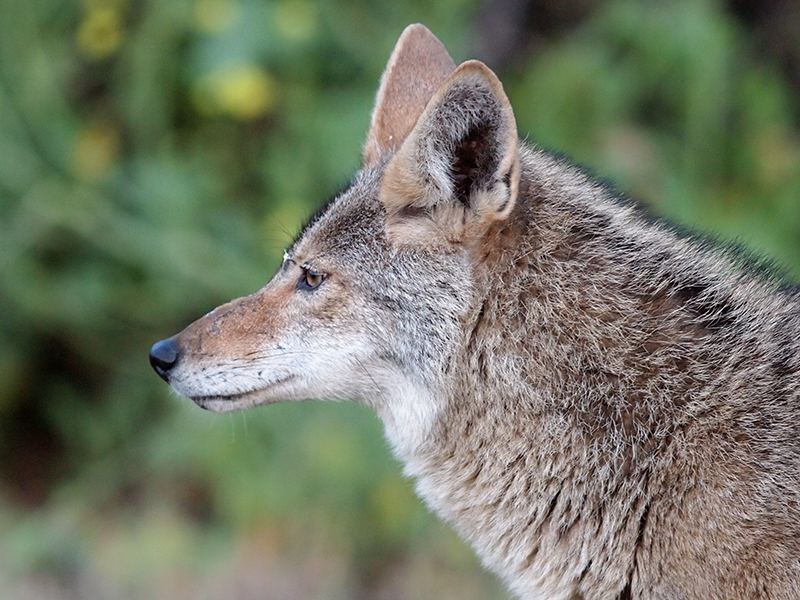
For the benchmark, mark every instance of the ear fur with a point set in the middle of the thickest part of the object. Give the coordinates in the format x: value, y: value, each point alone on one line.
x: 417, y: 68
x: 457, y: 172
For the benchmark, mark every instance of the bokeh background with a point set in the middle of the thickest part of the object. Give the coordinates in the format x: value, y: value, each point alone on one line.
x: 156, y: 156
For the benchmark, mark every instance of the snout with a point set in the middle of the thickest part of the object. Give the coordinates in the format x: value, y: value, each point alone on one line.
x: 164, y: 355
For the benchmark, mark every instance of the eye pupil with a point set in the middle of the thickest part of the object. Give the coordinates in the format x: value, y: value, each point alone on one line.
x: 310, y: 279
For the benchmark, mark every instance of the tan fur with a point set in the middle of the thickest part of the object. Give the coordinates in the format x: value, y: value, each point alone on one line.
x: 603, y: 408
x: 416, y: 69
x: 406, y: 188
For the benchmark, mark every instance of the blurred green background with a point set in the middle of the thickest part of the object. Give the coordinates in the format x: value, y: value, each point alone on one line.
x: 155, y: 159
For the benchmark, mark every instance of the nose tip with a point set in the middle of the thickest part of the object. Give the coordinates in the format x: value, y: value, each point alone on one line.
x: 163, y: 356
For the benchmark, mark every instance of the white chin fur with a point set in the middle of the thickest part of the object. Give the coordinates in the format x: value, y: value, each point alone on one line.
x: 274, y: 392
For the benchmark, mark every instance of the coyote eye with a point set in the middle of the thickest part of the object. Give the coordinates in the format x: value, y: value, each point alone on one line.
x: 310, y: 280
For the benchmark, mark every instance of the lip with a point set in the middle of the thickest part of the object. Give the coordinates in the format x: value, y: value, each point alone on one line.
x: 243, y: 400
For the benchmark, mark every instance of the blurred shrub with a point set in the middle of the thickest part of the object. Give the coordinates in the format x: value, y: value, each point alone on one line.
x: 670, y: 101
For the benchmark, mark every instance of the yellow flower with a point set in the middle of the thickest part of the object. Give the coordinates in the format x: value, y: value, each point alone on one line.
x: 100, y: 33
x: 96, y: 150
x: 215, y: 16
x: 244, y: 92
x: 296, y: 19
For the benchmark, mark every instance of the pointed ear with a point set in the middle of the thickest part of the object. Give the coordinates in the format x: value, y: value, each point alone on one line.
x: 417, y: 68
x: 458, y: 170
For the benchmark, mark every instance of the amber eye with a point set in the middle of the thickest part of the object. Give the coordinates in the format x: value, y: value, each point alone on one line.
x: 310, y: 280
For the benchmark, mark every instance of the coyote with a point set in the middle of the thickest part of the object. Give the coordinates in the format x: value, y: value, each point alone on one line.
x: 602, y: 406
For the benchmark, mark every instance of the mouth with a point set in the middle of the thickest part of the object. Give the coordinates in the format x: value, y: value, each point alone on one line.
x: 239, y: 401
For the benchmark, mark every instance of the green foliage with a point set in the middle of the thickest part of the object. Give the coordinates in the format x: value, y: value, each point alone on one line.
x: 155, y: 159
x: 670, y: 101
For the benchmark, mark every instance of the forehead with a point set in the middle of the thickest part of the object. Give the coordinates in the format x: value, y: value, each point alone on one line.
x: 354, y: 218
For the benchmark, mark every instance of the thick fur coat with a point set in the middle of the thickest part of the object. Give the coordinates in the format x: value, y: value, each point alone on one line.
x: 603, y: 407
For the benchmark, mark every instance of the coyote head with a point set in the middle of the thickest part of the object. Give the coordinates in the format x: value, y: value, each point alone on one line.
x: 372, y: 298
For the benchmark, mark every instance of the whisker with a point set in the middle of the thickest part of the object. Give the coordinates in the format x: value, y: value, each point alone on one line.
x: 368, y: 374
x: 283, y: 229
x: 211, y: 423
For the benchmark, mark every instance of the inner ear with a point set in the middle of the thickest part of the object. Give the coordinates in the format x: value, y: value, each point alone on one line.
x: 457, y: 172
x: 474, y: 164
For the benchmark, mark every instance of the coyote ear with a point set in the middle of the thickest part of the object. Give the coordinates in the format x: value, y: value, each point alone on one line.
x: 457, y: 171
x: 417, y: 68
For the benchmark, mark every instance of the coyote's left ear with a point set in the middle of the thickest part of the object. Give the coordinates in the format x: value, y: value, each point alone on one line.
x: 457, y: 172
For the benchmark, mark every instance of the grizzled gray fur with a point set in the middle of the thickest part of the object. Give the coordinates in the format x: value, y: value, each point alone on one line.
x: 603, y: 408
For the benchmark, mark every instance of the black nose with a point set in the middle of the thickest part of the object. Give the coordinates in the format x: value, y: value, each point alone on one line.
x: 163, y: 356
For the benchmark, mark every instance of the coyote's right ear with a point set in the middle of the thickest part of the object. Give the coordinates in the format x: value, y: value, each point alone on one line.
x: 417, y: 68
x: 458, y: 171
